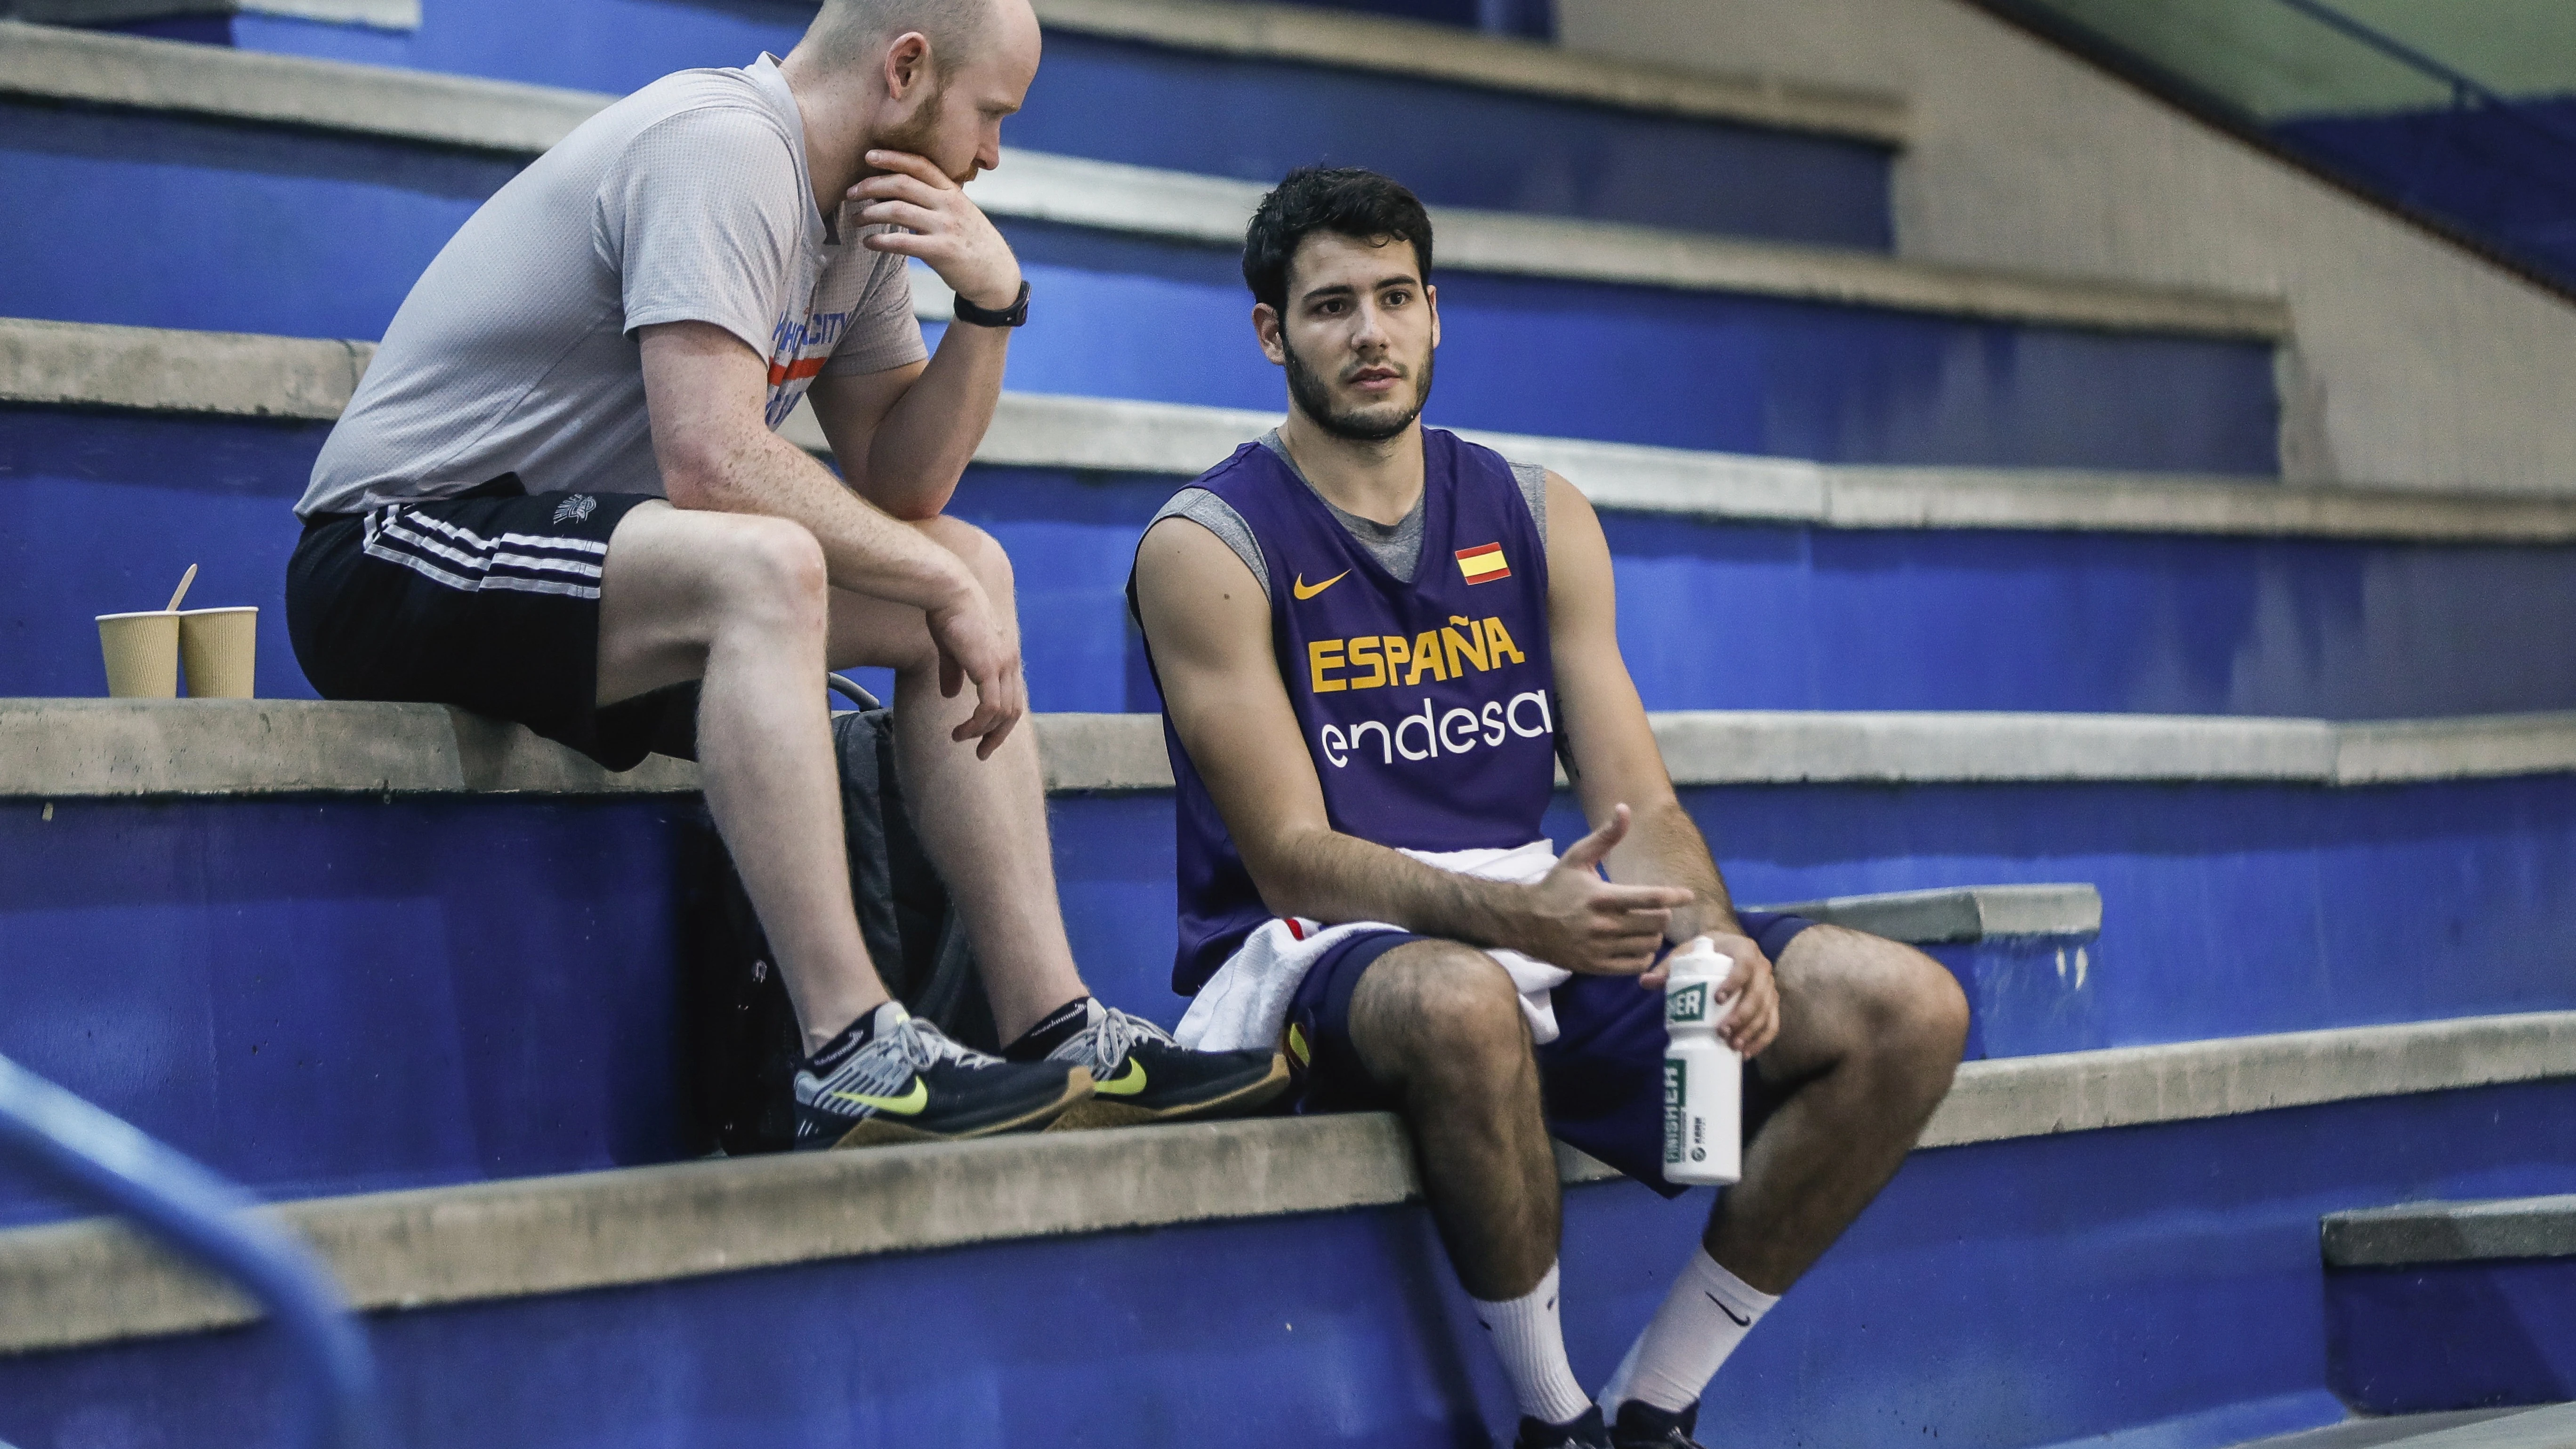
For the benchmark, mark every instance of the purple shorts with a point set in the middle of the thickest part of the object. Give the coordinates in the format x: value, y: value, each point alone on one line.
x: 1602, y: 1078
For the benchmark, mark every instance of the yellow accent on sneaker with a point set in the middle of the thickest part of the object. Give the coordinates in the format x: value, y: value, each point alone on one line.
x: 1127, y: 1083
x: 906, y: 1105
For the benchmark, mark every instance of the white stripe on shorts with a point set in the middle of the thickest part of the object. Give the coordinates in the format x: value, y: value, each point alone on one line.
x: 395, y: 536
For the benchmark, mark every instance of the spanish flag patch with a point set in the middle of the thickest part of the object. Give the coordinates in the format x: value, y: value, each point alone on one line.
x: 1483, y: 564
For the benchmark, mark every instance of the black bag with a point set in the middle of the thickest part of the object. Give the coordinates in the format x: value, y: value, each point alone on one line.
x: 741, y: 1038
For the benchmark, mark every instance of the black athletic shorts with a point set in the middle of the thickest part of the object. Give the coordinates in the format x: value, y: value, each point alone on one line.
x: 488, y: 600
x: 1602, y: 1079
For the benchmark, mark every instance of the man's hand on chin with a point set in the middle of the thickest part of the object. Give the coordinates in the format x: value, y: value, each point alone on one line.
x: 950, y: 234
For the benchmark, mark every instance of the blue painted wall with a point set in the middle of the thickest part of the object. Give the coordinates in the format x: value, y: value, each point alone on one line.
x: 2017, y: 1294
x: 2506, y: 175
x: 1223, y: 115
x: 103, y: 511
x: 2453, y: 1336
x: 220, y: 227
x: 2227, y: 910
x: 98, y: 509
x: 1129, y: 317
x: 1809, y: 618
x: 482, y: 987
x: 339, y: 996
x: 1454, y: 145
x: 597, y: 45
x: 271, y: 231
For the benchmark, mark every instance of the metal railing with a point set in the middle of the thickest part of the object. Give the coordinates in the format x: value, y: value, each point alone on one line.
x: 2467, y: 91
x: 99, y: 1157
x: 2308, y: 93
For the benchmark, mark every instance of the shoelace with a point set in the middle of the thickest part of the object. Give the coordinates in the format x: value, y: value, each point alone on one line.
x: 925, y: 1045
x: 1115, y: 1034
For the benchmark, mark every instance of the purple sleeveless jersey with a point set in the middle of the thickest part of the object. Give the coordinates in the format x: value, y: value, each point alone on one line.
x: 1428, y: 708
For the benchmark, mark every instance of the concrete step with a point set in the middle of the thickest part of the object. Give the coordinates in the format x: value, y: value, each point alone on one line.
x: 1840, y: 587
x: 1692, y: 341
x: 1237, y: 90
x: 1143, y: 1282
x: 2514, y: 1428
x: 2435, y: 1305
x: 279, y: 942
x: 296, y: 895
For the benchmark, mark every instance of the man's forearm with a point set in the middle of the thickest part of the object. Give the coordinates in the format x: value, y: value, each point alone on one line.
x: 1665, y: 847
x: 1327, y: 876
x: 863, y: 550
x: 928, y: 437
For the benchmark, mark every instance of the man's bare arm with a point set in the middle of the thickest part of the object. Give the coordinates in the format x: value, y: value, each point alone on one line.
x: 904, y: 436
x: 1616, y: 759
x: 1209, y: 625
x: 705, y: 390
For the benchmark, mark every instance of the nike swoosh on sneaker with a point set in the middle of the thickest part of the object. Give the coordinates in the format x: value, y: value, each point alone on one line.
x: 1305, y: 590
x: 1126, y: 1084
x: 906, y: 1105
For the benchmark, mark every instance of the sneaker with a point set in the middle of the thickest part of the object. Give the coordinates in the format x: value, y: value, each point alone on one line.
x: 1643, y: 1426
x: 1139, y: 1074
x: 1584, y: 1433
x: 906, y: 1082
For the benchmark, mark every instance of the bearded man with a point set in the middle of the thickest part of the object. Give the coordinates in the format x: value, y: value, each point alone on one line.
x: 558, y: 498
x: 1374, y: 641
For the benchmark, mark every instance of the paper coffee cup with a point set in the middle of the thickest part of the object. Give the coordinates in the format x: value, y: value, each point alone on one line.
x: 218, y: 648
x: 142, y: 654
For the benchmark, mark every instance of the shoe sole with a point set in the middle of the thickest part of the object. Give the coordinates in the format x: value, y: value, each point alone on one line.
x: 1099, y: 1112
x: 877, y: 1131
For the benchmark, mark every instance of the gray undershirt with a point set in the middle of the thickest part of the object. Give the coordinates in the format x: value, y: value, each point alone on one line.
x: 1396, y: 546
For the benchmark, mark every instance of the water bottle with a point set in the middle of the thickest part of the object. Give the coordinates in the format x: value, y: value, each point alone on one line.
x: 1703, y: 1077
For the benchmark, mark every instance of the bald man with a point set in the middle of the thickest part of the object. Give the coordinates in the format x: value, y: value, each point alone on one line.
x: 558, y: 498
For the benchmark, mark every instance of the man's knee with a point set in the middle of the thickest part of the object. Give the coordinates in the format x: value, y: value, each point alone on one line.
x: 1896, y: 1004
x: 768, y: 568
x: 1917, y: 1014
x: 982, y: 553
x: 1440, y: 1009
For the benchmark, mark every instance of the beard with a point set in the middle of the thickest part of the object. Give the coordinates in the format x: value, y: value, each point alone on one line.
x: 1373, y: 424
x: 920, y: 134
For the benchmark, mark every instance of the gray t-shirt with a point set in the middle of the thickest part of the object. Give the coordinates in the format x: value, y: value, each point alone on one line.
x: 515, y: 352
x: 1396, y: 546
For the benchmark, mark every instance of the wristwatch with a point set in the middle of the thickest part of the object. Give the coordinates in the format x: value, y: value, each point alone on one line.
x: 1012, y: 316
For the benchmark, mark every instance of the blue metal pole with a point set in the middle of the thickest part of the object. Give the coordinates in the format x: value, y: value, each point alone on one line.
x: 2465, y: 88
x: 101, y: 1157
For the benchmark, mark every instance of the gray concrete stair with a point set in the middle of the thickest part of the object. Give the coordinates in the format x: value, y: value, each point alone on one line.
x: 2546, y: 1428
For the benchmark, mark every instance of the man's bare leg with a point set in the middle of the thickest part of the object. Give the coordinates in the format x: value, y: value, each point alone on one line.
x: 983, y: 822
x: 739, y: 601
x: 1870, y: 1032
x: 1869, y: 1036
x: 1440, y: 1025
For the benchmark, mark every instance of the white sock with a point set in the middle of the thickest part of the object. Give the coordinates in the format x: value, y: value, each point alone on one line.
x: 1701, y: 1321
x: 1530, y: 1339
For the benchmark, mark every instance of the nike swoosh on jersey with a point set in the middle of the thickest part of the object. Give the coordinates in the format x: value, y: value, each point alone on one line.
x: 1126, y: 1084
x: 906, y: 1105
x: 1304, y: 590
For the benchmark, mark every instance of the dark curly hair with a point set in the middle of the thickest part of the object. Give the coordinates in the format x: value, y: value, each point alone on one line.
x: 1344, y: 200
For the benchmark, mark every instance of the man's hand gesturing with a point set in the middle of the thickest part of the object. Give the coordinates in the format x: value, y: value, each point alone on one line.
x: 945, y: 230
x: 1583, y: 923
